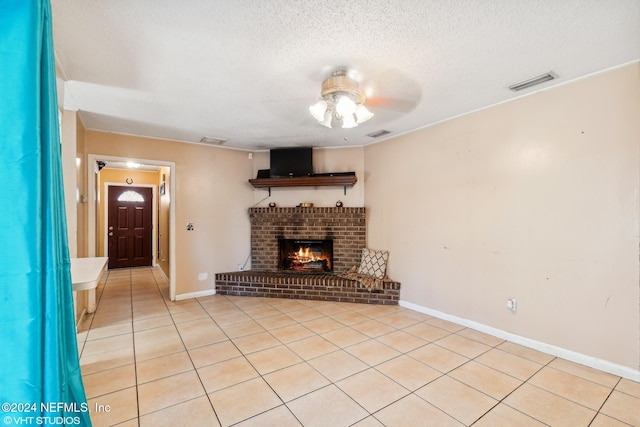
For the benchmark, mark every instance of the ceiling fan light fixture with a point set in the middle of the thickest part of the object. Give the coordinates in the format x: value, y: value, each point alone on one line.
x: 342, y: 100
x: 348, y: 122
x: 326, y: 121
x: 318, y: 110
x: 345, y: 106
x: 362, y: 114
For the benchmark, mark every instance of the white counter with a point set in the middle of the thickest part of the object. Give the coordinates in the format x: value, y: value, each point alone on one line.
x: 85, y: 275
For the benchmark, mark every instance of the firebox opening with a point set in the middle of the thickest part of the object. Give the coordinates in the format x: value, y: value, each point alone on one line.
x: 305, y: 255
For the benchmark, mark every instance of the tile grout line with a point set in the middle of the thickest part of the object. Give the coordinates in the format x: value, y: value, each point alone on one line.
x: 89, y: 327
x: 186, y: 350
x: 343, y: 348
x: 306, y: 362
x: 604, y: 402
x: 303, y: 361
x: 133, y: 343
x: 249, y: 362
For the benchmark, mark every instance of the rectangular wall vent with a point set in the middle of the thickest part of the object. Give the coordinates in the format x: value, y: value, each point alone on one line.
x: 212, y: 141
x: 532, y: 82
x: 379, y: 133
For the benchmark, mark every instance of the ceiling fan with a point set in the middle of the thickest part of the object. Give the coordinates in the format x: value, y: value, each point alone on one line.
x: 343, y: 99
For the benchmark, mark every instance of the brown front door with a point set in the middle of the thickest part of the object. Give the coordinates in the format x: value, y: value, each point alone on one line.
x: 129, y: 227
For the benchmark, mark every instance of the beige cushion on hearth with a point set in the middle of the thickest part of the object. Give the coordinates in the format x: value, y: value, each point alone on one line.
x: 373, y: 263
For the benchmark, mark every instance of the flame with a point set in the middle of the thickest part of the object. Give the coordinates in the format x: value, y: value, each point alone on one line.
x: 305, y: 255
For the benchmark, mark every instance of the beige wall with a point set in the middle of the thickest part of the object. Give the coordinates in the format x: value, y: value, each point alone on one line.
x: 163, y: 220
x: 324, y: 160
x: 82, y: 208
x: 81, y: 301
x: 535, y: 199
x: 72, y: 145
x: 211, y: 191
x: 68, y: 141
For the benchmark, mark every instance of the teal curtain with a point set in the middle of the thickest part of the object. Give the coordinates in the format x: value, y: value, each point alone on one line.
x: 39, y: 368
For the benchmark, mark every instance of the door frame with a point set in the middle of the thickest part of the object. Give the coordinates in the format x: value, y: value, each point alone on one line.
x: 94, y: 199
x: 154, y: 218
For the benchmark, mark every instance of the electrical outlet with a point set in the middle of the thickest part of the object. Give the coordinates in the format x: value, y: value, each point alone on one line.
x: 189, y: 226
x: 512, y: 304
x: 240, y: 267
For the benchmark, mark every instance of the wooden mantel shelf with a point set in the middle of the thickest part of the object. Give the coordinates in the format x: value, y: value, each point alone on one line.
x: 325, y: 180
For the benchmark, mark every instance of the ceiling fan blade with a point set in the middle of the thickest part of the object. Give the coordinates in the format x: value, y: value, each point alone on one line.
x: 391, y: 90
x: 393, y: 104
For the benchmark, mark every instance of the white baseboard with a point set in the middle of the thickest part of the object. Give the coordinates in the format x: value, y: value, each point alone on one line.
x: 593, y: 362
x: 162, y: 272
x: 196, y: 294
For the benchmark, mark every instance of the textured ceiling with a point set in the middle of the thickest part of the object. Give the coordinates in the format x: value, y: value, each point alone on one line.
x: 247, y: 71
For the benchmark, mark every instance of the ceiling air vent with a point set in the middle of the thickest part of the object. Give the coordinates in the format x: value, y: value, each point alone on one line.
x: 212, y: 141
x: 532, y: 82
x: 379, y: 133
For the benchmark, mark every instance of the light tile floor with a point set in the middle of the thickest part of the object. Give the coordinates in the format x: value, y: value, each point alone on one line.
x: 242, y: 361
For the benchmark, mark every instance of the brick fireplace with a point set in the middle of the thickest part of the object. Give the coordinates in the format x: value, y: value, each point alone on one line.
x: 344, y: 227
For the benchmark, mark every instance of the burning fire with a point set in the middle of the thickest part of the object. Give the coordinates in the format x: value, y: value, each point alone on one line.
x: 305, y: 256
x: 303, y: 253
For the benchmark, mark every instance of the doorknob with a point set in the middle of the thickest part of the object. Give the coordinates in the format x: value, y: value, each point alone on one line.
x: 110, y: 233
x: 110, y: 228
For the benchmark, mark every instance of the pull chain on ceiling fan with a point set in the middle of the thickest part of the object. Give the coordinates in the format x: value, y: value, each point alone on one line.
x: 342, y: 100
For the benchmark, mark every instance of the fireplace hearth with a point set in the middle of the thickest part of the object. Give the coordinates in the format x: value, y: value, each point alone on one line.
x: 344, y: 227
x: 305, y: 255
